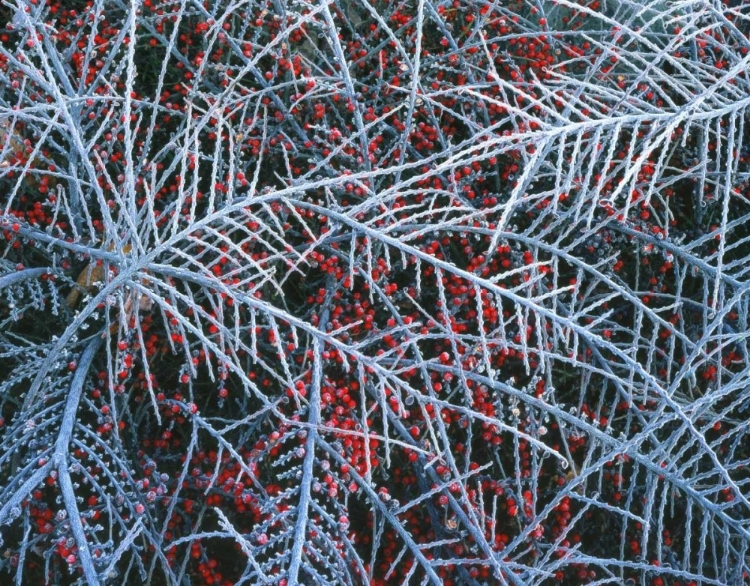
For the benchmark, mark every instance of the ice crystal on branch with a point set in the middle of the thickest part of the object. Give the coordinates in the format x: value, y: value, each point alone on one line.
x: 374, y: 292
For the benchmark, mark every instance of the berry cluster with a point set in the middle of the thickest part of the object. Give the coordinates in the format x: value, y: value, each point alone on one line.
x: 377, y: 292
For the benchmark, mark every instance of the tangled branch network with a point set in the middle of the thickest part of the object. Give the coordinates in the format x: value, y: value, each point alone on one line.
x: 374, y: 292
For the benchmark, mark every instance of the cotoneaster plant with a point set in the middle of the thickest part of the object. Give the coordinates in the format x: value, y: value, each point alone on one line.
x: 373, y: 293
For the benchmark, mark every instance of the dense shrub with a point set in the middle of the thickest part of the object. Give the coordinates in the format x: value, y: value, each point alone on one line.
x: 432, y: 292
